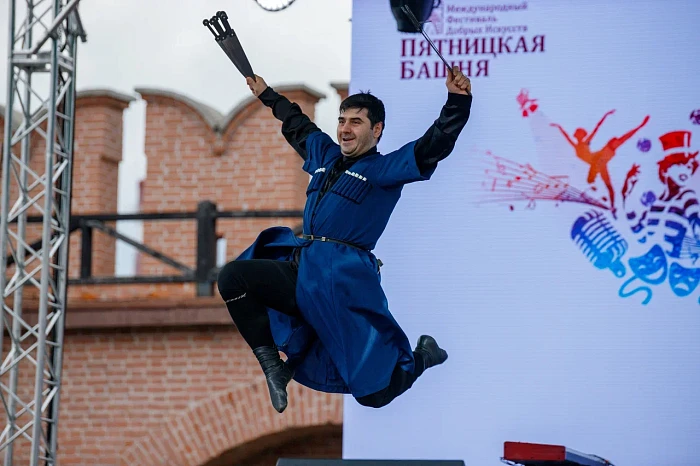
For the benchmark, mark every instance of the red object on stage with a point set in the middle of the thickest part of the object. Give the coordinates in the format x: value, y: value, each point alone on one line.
x: 515, y: 451
x: 538, y: 454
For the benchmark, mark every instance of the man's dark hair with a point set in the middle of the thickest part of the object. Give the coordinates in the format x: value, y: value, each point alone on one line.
x: 374, y: 106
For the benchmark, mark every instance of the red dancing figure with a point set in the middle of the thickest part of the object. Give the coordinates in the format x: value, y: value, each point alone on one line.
x: 598, y: 161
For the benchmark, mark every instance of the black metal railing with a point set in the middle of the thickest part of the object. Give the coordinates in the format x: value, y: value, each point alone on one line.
x: 203, y: 274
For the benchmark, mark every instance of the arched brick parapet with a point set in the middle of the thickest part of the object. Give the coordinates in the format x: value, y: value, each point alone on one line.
x: 299, y: 93
x: 229, y: 420
x: 323, y: 441
x: 239, y: 161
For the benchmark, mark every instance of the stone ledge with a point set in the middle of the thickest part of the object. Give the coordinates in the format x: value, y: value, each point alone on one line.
x: 340, y: 86
x: 82, y: 315
x: 107, y: 93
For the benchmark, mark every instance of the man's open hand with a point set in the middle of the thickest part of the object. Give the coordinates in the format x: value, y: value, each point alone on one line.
x: 457, y: 82
x: 256, y: 86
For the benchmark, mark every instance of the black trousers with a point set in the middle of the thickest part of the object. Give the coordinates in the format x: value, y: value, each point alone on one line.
x: 248, y: 287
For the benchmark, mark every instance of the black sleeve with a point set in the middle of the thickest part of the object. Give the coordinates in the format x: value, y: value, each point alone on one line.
x: 296, y: 126
x: 437, y: 143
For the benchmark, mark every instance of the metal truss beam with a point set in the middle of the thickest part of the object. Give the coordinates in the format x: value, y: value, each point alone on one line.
x: 41, y: 87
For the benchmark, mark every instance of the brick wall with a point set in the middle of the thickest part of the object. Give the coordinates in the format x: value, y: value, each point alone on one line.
x: 239, y: 161
x: 326, y: 444
x: 96, y: 156
x: 98, y: 151
x: 167, y: 396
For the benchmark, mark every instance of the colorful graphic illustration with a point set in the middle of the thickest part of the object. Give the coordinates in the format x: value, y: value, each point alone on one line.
x: 527, y: 105
x: 644, y: 145
x: 436, y: 22
x: 598, y: 160
x: 645, y: 231
x: 509, y: 181
x: 695, y: 117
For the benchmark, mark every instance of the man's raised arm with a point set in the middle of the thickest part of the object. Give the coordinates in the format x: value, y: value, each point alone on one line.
x: 439, y: 141
x: 296, y: 126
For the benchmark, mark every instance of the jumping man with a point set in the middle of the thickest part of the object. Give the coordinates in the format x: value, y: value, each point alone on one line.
x: 318, y: 298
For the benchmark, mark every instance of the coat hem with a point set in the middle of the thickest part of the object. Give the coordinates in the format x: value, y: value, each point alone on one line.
x: 340, y: 389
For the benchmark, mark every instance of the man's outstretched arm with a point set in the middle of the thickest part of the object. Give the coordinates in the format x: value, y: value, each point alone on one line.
x: 296, y: 126
x: 439, y: 141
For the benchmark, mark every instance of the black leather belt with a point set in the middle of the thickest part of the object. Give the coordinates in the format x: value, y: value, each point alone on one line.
x: 331, y: 240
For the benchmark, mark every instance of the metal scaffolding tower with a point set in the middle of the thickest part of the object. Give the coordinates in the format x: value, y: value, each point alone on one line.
x: 41, y: 86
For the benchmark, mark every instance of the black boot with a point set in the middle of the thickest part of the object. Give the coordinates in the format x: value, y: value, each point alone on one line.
x: 277, y: 373
x: 432, y: 354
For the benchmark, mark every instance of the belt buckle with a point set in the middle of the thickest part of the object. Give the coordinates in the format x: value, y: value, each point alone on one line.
x: 324, y: 239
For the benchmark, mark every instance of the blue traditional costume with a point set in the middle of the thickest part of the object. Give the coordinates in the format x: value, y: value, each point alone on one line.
x: 341, y: 337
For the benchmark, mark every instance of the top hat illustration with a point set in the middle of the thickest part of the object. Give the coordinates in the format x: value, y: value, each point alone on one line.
x: 421, y: 9
x: 677, y: 143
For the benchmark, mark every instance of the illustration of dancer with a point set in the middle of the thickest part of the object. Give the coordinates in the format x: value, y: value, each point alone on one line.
x: 598, y: 161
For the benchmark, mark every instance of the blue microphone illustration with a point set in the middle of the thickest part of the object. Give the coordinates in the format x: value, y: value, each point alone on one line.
x: 600, y: 242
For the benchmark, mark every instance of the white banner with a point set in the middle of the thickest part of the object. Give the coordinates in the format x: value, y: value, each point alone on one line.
x: 554, y: 254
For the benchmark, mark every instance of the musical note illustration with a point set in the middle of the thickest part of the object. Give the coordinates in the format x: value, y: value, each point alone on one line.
x: 503, y: 180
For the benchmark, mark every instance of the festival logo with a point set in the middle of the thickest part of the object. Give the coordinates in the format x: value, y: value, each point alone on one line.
x: 643, y: 228
x: 436, y: 22
x: 468, y: 36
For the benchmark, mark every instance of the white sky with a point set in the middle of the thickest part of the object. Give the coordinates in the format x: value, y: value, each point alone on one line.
x: 135, y: 43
